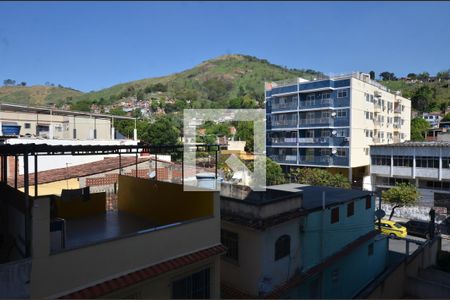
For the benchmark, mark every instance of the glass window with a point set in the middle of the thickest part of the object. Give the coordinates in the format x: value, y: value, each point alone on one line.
x: 342, y: 93
x: 282, y: 246
x: 231, y: 241
x: 350, y: 209
x: 27, y: 125
x: 195, y: 286
x: 427, y: 162
x: 403, y: 161
x: 335, y: 215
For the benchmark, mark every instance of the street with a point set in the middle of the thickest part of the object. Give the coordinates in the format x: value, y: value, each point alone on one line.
x: 399, y: 245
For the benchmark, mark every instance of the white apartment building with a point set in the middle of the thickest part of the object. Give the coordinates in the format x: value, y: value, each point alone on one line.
x: 332, y: 122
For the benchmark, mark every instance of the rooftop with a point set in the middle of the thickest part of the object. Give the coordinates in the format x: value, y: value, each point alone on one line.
x: 415, y: 144
x: 55, y: 111
x: 313, y: 195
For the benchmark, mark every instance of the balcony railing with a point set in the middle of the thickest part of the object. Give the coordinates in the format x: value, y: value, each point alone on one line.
x: 397, y: 110
x: 284, y: 124
x: 315, y: 122
x: 284, y: 106
x: 323, y: 160
x: 290, y: 158
x: 284, y: 141
x: 325, y: 141
x: 316, y: 103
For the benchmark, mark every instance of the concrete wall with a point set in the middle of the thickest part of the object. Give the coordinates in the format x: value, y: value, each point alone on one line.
x: 64, y: 272
x: 62, y: 126
x: 359, y: 141
x: 394, y: 283
x: 334, y: 236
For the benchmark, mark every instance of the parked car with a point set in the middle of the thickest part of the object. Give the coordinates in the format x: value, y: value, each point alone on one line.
x: 418, y: 228
x: 392, y: 229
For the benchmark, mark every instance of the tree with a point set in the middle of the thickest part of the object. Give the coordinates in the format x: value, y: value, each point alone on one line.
x: 446, y: 117
x: 23, y: 83
x: 423, y: 97
x: 412, y: 76
x: 443, y: 107
x: 274, y: 173
x: 403, y: 194
x: 372, y: 75
x: 319, y: 177
x: 387, y: 76
x: 423, y: 76
x: 163, y: 131
x: 419, y: 129
x: 244, y: 132
x: 444, y: 75
x: 9, y: 82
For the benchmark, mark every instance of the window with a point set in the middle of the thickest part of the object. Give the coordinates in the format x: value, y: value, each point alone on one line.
x: 368, y: 202
x: 367, y: 115
x: 282, y: 246
x: 342, y: 94
x: 195, y: 286
x: 350, y: 209
x: 310, y: 97
x: 381, y: 160
x: 427, y: 162
x: 370, y: 249
x: 341, y: 113
x: 335, y: 215
x: 335, y: 275
x: 27, y: 125
x: 341, y: 152
x: 446, y: 162
x: 403, y: 161
x: 231, y: 241
x: 326, y: 95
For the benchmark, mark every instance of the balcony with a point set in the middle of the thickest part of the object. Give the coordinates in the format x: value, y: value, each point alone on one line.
x: 377, y: 123
x: 284, y: 124
x: 315, y: 122
x: 325, y: 141
x: 284, y: 106
x: 284, y: 159
x: 397, y: 110
x: 316, y: 103
x: 397, y: 127
x: 283, y: 141
x: 377, y: 108
x: 323, y: 160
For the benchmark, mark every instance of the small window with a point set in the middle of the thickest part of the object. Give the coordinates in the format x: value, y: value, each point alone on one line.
x: 370, y: 249
x: 27, y: 125
x: 231, y: 241
x: 350, y: 209
x: 368, y: 203
x: 195, y: 286
x: 335, y: 215
x: 282, y: 247
x: 342, y: 94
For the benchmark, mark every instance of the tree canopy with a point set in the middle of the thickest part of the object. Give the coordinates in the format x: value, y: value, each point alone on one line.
x: 419, y: 129
x: 319, y: 177
x: 403, y: 194
x: 423, y: 98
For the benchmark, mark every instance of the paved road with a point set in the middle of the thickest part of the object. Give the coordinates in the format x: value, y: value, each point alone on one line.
x: 399, y: 245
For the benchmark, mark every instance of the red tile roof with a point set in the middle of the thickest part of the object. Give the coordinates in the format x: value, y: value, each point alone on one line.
x: 298, y: 279
x: 113, y: 285
x: 96, y: 167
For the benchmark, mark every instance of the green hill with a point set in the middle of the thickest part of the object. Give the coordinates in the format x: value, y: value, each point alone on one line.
x: 426, y: 96
x: 36, y: 95
x: 210, y: 84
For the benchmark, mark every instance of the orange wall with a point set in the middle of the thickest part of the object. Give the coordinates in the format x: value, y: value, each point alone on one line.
x: 79, y: 208
x: 162, y: 202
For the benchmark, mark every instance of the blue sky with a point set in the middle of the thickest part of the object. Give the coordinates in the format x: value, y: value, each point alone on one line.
x: 89, y: 45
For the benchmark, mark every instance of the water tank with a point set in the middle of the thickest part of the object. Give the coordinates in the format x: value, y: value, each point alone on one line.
x: 9, y: 129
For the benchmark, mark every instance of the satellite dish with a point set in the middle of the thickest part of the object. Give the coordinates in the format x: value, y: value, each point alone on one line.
x: 333, y: 114
x: 379, y: 213
x: 152, y: 175
x: 334, y: 151
x: 334, y: 132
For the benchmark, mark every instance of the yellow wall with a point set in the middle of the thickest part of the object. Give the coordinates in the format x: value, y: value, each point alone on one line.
x: 162, y: 202
x: 54, y: 188
x: 79, y: 208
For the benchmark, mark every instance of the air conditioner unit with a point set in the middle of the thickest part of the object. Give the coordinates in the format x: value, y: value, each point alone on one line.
x: 334, y: 132
x: 334, y: 151
x: 333, y: 114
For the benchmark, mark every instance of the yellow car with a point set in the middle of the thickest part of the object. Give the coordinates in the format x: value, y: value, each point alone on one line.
x: 392, y: 229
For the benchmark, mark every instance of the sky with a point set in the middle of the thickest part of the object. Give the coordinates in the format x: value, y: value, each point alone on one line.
x: 94, y: 45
